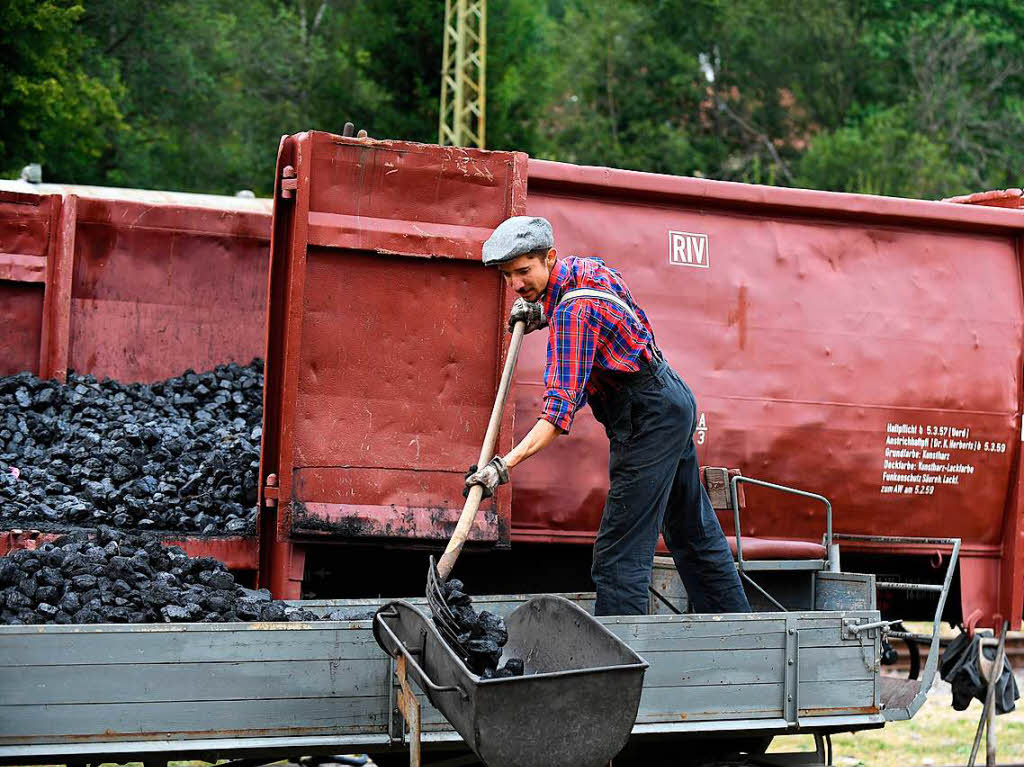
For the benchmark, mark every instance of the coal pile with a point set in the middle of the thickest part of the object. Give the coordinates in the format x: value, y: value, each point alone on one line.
x: 122, y: 577
x: 180, y: 455
x: 483, y: 635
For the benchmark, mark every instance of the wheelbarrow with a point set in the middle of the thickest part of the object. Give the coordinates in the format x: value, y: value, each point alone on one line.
x: 574, y: 705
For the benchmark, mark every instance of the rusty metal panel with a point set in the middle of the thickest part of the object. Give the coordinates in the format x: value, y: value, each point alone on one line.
x: 53, y: 346
x: 237, y: 553
x: 818, y: 331
x: 996, y: 198
x: 28, y: 225
x: 385, y: 336
x: 158, y: 289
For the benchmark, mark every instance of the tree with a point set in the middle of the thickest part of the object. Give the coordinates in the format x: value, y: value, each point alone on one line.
x: 51, y: 109
x: 881, y: 155
x: 914, y: 97
x: 628, y: 96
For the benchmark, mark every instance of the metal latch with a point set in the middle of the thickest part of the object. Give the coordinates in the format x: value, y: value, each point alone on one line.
x: 270, y: 491
x: 851, y: 627
x: 289, y: 182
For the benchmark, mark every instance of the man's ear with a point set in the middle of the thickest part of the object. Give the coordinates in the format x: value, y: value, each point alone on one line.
x: 550, y: 260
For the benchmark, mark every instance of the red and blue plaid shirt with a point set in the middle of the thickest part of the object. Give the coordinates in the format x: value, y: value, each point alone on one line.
x: 587, y: 333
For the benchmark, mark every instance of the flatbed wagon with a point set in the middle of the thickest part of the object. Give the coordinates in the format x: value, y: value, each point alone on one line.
x: 100, y: 693
x: 88, y: 694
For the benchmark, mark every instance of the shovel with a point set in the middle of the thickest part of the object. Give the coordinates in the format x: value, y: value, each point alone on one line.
x: 438, y: 574
x: 578, y: 699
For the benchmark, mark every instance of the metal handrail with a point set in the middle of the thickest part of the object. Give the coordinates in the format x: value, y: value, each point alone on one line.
x: 737, y: 478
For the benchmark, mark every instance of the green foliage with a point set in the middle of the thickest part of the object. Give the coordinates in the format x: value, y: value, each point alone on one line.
x: 520, y: 70
x: 50, y: 107
x: 904, y: 97
x: 213, y: 84
x: 626, y: 95
x: 881, y: 155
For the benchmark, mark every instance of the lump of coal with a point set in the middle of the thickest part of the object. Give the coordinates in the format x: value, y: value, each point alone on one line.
x: 178, y: 455
x: 492, y: 627
x: 174, y: 614
x: 482, y: 635
x: 273, y: 611
x: 512, y: 667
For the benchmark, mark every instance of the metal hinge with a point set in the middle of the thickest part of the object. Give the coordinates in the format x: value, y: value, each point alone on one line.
x: 289, y: 182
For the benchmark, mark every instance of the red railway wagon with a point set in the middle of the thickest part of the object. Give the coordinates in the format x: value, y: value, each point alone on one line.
x: 818, y: 331
x: 866, y: 348
x: 134, y: 285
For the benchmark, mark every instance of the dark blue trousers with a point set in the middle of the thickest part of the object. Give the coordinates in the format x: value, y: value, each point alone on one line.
x: 655, y: 486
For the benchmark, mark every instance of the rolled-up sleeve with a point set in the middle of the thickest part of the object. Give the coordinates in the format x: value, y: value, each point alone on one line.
x: 572, y: 341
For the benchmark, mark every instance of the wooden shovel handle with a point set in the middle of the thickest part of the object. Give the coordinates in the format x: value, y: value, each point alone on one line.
x: 476, y: 492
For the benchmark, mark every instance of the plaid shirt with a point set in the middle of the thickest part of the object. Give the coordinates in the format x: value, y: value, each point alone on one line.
x: 585, y: 334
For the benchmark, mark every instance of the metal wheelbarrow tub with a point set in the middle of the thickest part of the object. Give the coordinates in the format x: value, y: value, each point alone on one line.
x: 575, y: 704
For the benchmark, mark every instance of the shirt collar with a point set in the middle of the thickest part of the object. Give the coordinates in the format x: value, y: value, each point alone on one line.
x: 557, y: 280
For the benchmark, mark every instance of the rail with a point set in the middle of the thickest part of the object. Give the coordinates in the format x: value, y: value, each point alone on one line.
x: 1014, y: 649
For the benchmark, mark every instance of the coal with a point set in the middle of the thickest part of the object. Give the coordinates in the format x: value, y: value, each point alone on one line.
x: 483, y: 635
x: 180, y: 455
x: 113, y: 576
x: 512, y: 667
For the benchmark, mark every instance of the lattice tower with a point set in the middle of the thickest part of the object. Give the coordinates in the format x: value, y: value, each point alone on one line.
x: 463, y: 74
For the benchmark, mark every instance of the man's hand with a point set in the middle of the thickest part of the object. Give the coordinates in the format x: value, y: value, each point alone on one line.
x: 530, y: 312
x: 489, y: 477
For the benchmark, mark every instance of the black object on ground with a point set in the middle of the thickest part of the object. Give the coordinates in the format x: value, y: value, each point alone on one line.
x: 959, y: 665
x: 122, y: 577
x: 178, y: 455
x: 483, y: 635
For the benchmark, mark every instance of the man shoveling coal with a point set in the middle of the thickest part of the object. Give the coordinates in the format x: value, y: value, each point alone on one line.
x: 601, y: 350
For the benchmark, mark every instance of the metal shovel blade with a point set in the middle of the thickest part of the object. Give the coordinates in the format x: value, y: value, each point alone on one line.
x: 444, y: 618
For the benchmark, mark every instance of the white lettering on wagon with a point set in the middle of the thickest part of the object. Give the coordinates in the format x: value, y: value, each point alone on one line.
x: 700, y: 433
x: 689, y: 249
x: 919, y: 458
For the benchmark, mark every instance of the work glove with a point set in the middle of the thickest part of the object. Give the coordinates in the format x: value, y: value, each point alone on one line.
x: 530, y: 312
x: 489, y: 477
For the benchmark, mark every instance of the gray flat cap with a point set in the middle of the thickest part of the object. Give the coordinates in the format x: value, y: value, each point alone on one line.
x: 516, y: 236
